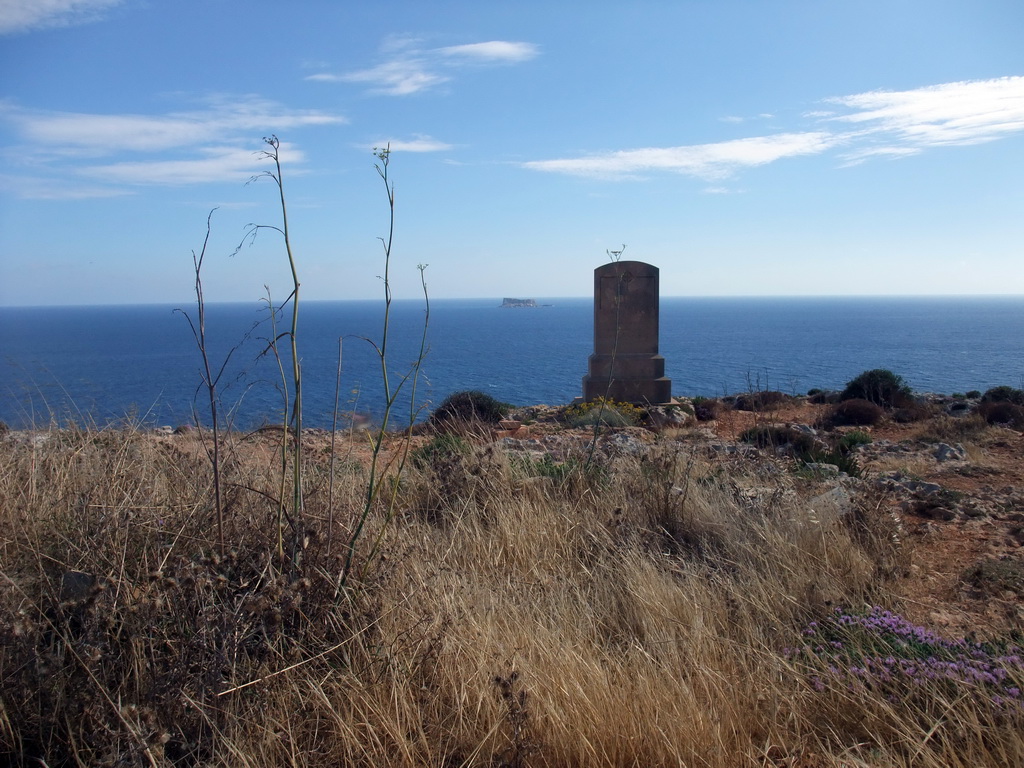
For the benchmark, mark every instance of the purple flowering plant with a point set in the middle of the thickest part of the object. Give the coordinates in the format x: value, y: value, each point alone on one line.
x: 880, y: 651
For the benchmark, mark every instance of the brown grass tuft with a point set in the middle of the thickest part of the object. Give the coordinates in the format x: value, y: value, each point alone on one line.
x: 621, y: 611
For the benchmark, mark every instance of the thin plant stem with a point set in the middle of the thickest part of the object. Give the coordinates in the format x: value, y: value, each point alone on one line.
x: 334, y: 436
x: 209, y: 380
x: 377, y: 471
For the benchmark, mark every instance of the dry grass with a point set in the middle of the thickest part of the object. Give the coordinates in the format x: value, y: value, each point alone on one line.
x: 634, y: 611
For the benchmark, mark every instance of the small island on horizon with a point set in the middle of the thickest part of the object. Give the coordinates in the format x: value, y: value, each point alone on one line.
x: 516, y: 303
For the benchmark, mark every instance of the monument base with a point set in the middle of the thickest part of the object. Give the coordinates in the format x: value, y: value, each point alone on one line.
x: 636, y: 391
x: 628, y: 378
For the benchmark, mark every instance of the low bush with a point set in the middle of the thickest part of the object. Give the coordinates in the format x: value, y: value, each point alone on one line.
x: 707, y: 408
x: 805, y: 449
x: 761, y: 401
x: 823, y: 396
x: 911, y: 412
x: 973, y: 394
x: 440, y: 448
x: 604, y: 412
x: 855, y: 413
x: 852, y: 439
x: 1003, y: 413
x: 1004, y: 394
x: 879, y: 386
x: 469, y: 407
x: 775, y: 435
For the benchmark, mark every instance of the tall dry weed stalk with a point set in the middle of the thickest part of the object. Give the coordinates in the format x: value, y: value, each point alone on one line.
x: 210, y: 380
x: 294, y: 456
x: 393, y: 468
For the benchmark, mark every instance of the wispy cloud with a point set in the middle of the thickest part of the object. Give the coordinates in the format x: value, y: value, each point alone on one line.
x: 394, y: 78
x: 410, y: 68
x: 26, y: 15
x: 419, y: 144
x: 214, y: 164
x: 215, y: 143
x: 499, y: 51
x: 889, y: 124
x: 142, y: 133
x: 706, y: 161
x: 951, y: 114
x: 44, y: 188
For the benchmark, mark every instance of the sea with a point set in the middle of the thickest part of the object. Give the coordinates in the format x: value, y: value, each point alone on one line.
x: 110, y: 365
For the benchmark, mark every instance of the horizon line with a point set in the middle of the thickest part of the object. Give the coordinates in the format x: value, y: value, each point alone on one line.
x: 737, y: 296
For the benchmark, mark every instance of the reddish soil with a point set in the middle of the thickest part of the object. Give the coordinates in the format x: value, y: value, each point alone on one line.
x: 985, y: 525
x: 990, y: 483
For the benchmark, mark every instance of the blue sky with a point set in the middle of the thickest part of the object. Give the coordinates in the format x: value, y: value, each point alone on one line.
x: 745, y: 147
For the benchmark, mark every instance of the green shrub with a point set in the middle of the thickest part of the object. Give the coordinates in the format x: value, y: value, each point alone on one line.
x: 878, y: 386
x: 604, y: 412
x: 772, y: 436
x: 1004, y: 394
x: 844, y: 461
x: 805, y: 449
x: 761, y: 401
x: 441, y: 448
x: 973, y: 394
x: 852, y: 439
x: 856, y: 413
x: 469, y: 407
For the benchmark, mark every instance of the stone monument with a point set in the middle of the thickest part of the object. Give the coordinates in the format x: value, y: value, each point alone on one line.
x: 626, y: 366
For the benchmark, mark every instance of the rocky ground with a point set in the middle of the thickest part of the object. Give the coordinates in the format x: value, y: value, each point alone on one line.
x: 957, y: 504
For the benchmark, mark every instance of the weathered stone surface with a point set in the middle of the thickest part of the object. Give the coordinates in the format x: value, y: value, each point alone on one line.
x: 626, y: 366
x: 945, y: 452
x: 833, y: 503
x: 667, y: 416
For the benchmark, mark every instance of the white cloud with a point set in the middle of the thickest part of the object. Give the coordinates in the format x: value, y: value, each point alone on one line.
x: 26, y: 15
x: 393, y: 78
x: 419, y: 144
x: 495, y: 50
x: 142, y: 133
x: 878, y: 124
x: 968, y: 112
x: 410, y: 69
x: 38, y: 188
x: 215, y: 164
x: 217, y: 143
x: 707, y: 161
x: 861, y: 155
